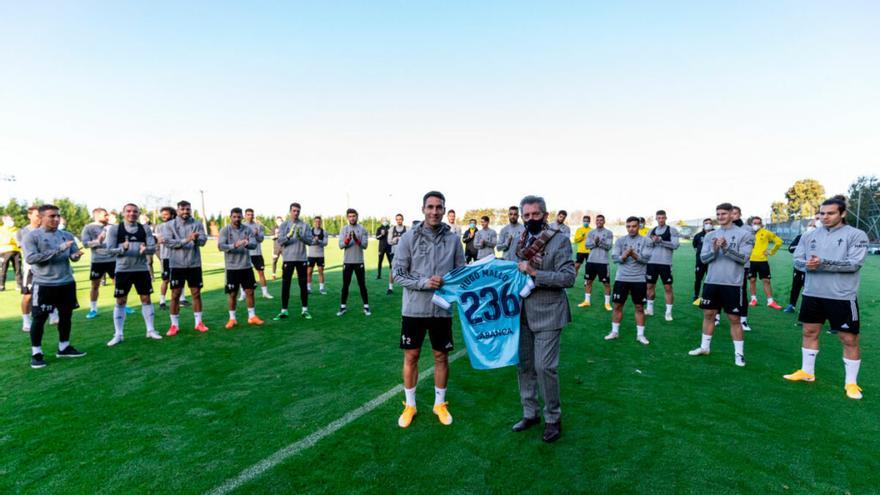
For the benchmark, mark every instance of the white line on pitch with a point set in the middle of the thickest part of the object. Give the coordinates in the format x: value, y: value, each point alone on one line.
x: 295, y: 448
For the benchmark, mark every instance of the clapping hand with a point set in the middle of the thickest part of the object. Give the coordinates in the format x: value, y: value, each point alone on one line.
x: 813, y: 263
x: 142, y: 248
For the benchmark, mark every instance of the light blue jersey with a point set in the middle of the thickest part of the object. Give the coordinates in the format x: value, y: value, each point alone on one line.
x: 488, y: 294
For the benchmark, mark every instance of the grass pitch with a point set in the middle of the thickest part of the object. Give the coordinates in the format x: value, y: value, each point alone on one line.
x: 186, y: 414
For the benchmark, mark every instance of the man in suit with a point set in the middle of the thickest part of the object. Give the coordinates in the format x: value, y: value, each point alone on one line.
x: 545, y: 255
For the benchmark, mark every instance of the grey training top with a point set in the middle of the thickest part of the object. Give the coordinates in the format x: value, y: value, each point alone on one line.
x: 162, y: 231
x: 726, y: 264
x: 319, y: 240
x: 508, y: 240
x: 841, y: 252
x: 599, y: 241
x: 562, y: 228
x: 632, y: 270
x: 184, y: 253
x: 663, y: 249
x: 48, y: 262
x: 237, y: 258
x: 353, y: 252
x: 485, y: 241
x: 89, y: 237
x: 259, y: 235
x: 422, y: 253
x: 293, y: 237
x: 131, y: 259
x: 394, y: 234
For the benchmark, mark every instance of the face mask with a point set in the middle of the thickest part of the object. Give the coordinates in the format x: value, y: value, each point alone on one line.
x: 535, y: 226
x: 708, y: 226
x: 756, y: 227
x: 586, y: 224
x: 473, y: 225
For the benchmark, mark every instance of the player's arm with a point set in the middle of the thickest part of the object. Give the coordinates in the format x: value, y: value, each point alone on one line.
x: 742, y: 252
x: 364, y: 239
x: 580, y: 235
x: 674, y: 241
x: 800, y: 256
x: 491, y: 240
x: 252, y: 243
x: 562, y: 275
x: 777, y: 243
x: 707, y: 251
x: 794, y: 244
x: 149, y: 243
x: 343, y: 238
x: 223, y: 241
x: 857, y: 249
x: 202, y: 236
x: 617, y: 252
x: 644, y: 254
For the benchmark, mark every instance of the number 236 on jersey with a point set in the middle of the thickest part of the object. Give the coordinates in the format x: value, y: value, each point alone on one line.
x: 488, y: 294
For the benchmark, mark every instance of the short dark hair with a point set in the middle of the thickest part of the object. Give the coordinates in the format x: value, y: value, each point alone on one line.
x: 183, y: 203
x: 317, y: 217
x: 632, y: 219
x: 249, y: 210
x: 46, y: 207
x: 562, y: 212
x: 235, y: 210
x: 725, y: 206
x: 660, y: 212
x: 484, y: 217
x: 708, y: 219
x: 513, y: 208
x: 294, y: 204
x: 641, y: 219
x: 472, y: 220
x: 32, y: 208
x: 433, y: 194
x: 126, y: 205
x: 399, y: 215
x: 600, y: 216
x: 840, y: 201
x: 587, y: 217
x: 96, y: 210
x: 737, y: 208
x: 170, y: 210
x: 350, y: 211
x: 450, y: 211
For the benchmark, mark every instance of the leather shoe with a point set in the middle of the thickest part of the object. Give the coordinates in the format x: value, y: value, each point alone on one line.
x: 552, y: 432
x: 525, y: 424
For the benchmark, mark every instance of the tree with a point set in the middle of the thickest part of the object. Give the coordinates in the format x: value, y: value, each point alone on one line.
x: 780, y: 212
x: 804, y: 198
x: 479, y: 213
x: 864, y: 205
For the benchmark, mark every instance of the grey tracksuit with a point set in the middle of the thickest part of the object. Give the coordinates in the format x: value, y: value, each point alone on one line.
x: 394, y: 234
x: 236, y: 258
x: 663, y: 250
x: 726, y: 264
x: 632, y: 270
x: 89, y: 238
x: 131, y: 259
x: 162, y: 231
x: 49, y: 264
x: 562, y: 228
x: 353, y: 251
x: 508, y: 240
x: 320, y: 239
x: 485, y: 240
x: 184, y: 253
x: 842, y: 252
x: 259, y: 234
x: 21, y: 237
x: 599, y: 241
x: 422, y: 253
x: 293, y: 237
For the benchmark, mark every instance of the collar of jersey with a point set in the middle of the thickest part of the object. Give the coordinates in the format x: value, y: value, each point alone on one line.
x: 485, y: 259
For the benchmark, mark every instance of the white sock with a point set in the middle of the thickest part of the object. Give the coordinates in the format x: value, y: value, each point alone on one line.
x: 36, y: 350
x: 322, y: 286
x: 744, y: 320
x: 161, y: 299
x: 808, y: 360
x: 309, y: 286
x: 754, y: 298
x: 119, y: 318
x: 175, y: 320
x: 586, y: 297
x: 615, y: 327
x: 148, y: 314
x: 26, y: 321
x: 305, y: 309
x: 640, y: 330
x: 769, y: 300
x: 650, y: 304
x: 668, y: 309
x: 252, y: 312
x: 265, y: 290
x: 718, y: 317
x: 198, y: 317
x: 738, y: 347
x: 390, y: 286
x: 63, y: 345
x: 342, y: 306
x: 182, y: 297
x: 607, y: 299
x: 367, y: 307
x: 439, y: 396
x: 93, y: 305
x: 706, y: 343
x: 410, y: 396
x: 852, y: 370
x: 231, y: 314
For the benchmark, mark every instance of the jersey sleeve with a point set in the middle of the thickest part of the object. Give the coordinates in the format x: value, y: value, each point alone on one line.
x: 448, y: 293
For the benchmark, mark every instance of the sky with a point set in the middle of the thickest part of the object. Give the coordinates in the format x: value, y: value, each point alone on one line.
x: 618, y: 107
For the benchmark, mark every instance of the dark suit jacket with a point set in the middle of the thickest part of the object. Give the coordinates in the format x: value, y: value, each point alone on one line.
x: 547, y: 307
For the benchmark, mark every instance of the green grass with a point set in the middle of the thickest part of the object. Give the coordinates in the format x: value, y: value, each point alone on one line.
x: 184, y: 414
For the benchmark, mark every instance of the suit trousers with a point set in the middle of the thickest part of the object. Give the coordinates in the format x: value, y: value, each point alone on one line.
x: 537, y: 371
